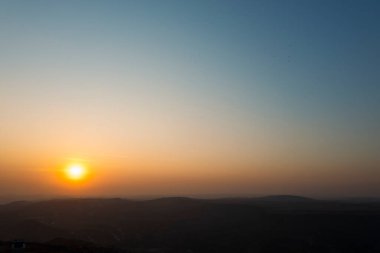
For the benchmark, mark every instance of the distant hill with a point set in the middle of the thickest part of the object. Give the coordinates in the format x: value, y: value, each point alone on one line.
x: 270, y: 224
x: 286, y: 198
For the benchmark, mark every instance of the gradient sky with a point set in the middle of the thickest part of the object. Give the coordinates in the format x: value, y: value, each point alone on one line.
x: 191, y: 97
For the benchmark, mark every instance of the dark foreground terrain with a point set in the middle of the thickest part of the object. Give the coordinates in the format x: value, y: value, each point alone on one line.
x: 271, y: 224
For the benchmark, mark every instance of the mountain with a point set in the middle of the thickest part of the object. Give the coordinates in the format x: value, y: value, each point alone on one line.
x: 286, y: 198
x: 269, y: 224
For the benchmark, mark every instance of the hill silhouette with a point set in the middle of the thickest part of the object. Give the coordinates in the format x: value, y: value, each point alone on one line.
x: 269, y: 224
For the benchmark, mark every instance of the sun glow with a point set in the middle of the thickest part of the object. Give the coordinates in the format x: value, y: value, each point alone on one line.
x: 76, y: 172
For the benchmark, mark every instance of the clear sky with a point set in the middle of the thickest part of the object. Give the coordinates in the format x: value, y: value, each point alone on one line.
x: 190, y: 97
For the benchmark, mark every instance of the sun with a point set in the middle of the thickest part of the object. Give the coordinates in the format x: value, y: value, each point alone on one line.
x: 76, y: 172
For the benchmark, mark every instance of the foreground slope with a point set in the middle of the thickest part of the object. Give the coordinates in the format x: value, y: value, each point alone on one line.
x: 273, y: 224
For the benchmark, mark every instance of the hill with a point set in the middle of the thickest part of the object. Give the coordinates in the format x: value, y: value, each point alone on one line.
x: 271, y: 224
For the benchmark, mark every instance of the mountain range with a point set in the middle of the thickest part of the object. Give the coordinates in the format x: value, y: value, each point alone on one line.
x: 267, y: 224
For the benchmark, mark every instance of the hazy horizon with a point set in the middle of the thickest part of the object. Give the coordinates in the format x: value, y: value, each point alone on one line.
x: 190, y: 98
x: 41, y: 198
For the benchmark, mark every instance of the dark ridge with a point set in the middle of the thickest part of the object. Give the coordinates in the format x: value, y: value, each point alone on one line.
x: 173, y: 199
x: 177, y: 224
x: 15, y: 204
x: 286, y: 198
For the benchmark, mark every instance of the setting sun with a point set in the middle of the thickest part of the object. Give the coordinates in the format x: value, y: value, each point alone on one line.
x: 76, y: 172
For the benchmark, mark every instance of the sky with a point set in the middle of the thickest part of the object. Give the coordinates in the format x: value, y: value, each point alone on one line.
x: 190, y: 97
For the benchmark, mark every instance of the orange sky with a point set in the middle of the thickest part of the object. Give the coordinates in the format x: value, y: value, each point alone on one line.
x: 154, y: 98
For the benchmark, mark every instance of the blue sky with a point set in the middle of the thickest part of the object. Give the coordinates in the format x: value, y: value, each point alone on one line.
x: 272, y: 82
